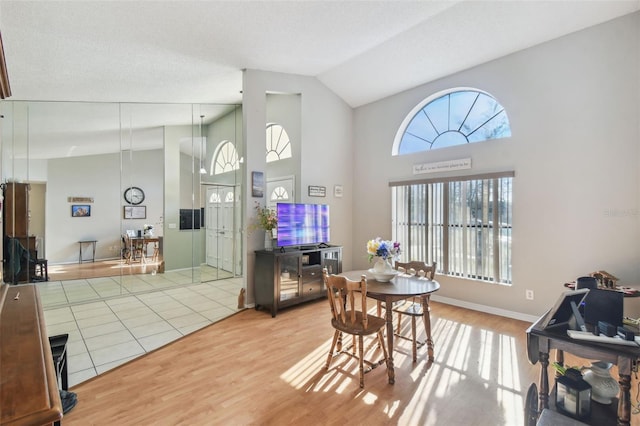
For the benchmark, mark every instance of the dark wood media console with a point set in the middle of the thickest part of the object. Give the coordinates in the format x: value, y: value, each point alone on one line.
x: 289, y: 276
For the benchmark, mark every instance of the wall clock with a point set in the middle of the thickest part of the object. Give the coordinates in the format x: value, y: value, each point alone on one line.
x: 134, y: 195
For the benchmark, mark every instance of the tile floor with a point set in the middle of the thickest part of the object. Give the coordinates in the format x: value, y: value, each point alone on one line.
x: 109, y: 324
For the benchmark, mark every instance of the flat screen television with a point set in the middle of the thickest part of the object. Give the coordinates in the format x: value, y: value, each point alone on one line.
x: 302, y: 224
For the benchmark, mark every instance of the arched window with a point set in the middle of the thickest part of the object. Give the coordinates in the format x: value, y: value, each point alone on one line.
x: 279, y: 193
x: 278, y: 143
x: 450, y: 118
x: 225, y: 159
x: 214, y: 198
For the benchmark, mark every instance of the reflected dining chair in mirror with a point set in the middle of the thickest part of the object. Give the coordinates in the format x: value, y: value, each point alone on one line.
x: 133, y: 249
x: 348, y: 302
x: 413, y: 307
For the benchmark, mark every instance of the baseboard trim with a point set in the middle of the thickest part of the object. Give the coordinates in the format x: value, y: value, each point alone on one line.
x: 484, y: 308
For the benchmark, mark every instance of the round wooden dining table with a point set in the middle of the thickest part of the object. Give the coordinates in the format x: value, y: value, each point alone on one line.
x: 402, y: 286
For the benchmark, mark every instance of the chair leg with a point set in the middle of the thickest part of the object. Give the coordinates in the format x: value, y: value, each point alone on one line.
x: 413, y: 337
x: 384, y: 348
x: 399, y: 322
x: 333, y: 345
x: 361, y: 352
x: 385, y: 353
x: 353, y: 345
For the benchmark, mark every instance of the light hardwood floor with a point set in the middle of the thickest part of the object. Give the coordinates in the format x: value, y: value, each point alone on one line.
x: 254, y: 369
x: 103, y: 268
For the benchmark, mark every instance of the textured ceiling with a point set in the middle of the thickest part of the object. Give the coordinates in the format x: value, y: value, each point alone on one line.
x: 194, y: 51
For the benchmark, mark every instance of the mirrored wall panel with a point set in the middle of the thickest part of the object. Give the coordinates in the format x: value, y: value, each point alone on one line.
x: 143, y: 195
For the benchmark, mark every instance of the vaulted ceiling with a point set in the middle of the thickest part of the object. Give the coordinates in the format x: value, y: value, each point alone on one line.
x: 195, y: 51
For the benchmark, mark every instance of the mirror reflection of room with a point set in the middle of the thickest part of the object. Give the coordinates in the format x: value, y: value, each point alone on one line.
x: 127, y: 168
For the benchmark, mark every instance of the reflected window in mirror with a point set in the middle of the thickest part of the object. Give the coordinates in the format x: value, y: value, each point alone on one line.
x: 214, y: 198
x: 225, y: 159
x: 278, y: 143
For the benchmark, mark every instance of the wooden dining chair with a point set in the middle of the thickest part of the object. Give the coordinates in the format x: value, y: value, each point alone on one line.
x: 156, y: 251
x: 414, y: 267
x: 348, y: 301
x: 126, y: 249
x: 413, y: 307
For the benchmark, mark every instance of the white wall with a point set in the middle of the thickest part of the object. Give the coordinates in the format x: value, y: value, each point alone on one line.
x: 573, y: 104
x: 327, y: 155
x: 97, y: 176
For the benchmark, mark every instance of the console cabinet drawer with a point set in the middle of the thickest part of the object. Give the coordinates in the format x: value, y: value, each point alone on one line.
x: 311, y: 274
x: 312, y: 288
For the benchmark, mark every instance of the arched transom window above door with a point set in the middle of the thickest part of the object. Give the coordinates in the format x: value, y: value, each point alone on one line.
x: 224, y: 159
x: 280, y: 193
x: 449, y: 118
x: 278, y: 143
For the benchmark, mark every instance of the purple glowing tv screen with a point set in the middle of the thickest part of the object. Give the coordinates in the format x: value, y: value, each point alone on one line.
x: 302, y: 224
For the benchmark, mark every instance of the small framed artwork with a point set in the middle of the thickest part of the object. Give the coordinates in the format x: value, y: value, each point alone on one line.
x: 135, y: 212
x: 80, y: 210
x: 337, y: 191
x: 257, y: 184
x: 317, y: 191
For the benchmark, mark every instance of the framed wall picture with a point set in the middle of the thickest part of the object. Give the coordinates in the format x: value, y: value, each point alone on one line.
x: 80, y: 210
x: 317, y: 191
x: 257, y: 184
x: 135, y: 212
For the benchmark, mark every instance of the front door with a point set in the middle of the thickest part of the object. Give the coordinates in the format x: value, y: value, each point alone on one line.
x: 280, y: 190
x: 219, y: 227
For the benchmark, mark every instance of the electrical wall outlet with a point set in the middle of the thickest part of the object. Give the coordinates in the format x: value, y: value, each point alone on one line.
x: 528, y: 294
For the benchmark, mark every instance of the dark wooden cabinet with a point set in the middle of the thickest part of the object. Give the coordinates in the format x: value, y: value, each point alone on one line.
x: 291, y: 276
x: 16, y: 209
x: 19, y: 248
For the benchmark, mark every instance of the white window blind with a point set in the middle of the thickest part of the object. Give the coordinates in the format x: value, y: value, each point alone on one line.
x: 462, y: 224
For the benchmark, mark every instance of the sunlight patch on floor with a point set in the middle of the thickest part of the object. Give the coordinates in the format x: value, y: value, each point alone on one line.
x: 470, y: 361
x: 302, y: 371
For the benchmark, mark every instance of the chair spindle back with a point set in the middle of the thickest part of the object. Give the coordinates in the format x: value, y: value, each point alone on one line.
x: 341, y: 290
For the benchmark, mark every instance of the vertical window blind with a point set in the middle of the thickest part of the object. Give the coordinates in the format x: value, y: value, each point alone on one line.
x: 463, y: 224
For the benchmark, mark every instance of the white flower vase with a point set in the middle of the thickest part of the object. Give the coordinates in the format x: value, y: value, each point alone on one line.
x: 268, y: 240
x: 382, y: 270
x: 603, y: 387
x: 382, y: 266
